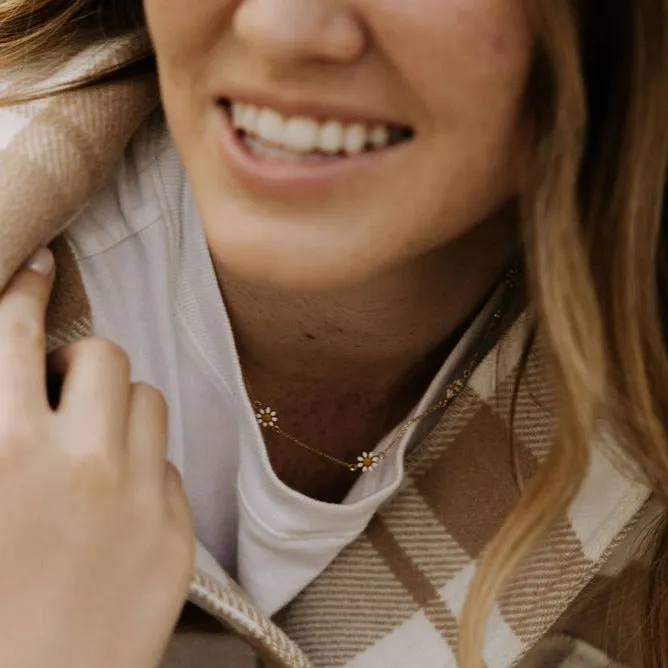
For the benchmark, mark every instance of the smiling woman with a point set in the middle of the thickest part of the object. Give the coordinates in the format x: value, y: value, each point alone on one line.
x: 399, y: 270
x: 339, y: 64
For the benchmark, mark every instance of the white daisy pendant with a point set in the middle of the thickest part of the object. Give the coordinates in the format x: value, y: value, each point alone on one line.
x: 367, y: 462
x: 266, y: 417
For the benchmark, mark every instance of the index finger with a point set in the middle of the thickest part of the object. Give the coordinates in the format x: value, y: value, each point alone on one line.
x: 22, y: 334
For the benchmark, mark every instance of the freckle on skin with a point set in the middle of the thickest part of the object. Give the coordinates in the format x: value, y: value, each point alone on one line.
x: 498, y: 44
x: 310, y: 337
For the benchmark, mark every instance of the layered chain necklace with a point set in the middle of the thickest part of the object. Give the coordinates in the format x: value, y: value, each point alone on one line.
x: 366, y: 461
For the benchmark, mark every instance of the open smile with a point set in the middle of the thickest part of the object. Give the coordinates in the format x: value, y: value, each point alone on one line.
x: 270, y: 135
x: 290, y: 157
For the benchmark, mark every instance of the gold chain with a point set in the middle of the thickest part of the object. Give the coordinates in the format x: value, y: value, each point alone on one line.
x: 367, y: 461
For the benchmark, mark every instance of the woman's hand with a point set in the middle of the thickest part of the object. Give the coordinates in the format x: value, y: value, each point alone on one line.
x: 96, y: 539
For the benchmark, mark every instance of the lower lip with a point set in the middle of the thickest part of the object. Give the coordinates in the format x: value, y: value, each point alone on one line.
x: 288, y: 180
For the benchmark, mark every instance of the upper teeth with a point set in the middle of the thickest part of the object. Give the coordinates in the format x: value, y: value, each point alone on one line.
x: 306, y: 135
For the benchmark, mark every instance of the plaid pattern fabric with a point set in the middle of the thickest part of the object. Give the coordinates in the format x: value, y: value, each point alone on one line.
x: 56, y: 152
x: 393, y: 598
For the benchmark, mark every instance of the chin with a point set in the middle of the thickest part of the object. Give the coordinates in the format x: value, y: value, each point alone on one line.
x: 291, y: 250
x: 289, y: 270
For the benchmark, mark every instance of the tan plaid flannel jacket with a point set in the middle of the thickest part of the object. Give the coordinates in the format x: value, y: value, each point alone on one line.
x: 392, y: 599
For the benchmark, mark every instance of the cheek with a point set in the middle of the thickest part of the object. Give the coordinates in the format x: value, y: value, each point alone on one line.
x: 184, y: 31
x: 456, y: 53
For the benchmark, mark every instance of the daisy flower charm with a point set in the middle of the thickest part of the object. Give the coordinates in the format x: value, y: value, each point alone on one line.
x: 367, y: 462
x: 266, y: 417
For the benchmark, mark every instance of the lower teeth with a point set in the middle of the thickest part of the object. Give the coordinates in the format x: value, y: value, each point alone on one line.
x: 261, y: 150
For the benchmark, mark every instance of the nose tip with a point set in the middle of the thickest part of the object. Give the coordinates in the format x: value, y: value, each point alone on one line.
x: 294, y: 30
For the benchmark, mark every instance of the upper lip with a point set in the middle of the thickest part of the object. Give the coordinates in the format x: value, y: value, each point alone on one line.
x: 292, y: 107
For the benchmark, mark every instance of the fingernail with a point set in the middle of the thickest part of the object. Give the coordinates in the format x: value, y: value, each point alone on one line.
x: 42, y: 261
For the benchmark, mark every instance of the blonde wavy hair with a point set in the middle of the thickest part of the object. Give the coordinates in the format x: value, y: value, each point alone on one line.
x: 595, y: 220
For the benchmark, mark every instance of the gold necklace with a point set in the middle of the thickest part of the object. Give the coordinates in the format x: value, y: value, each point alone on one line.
x: 367, y: 461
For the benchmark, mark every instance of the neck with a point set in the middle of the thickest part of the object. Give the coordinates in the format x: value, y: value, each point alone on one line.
x: 368, y: 336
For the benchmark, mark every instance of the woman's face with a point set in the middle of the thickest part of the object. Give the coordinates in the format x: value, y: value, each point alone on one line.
x: 329, y: 141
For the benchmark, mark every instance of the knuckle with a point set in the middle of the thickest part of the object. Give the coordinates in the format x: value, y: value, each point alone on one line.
x: 105, y: 352
x: 149, y: 391
x: 24, y: 329
x: 151, y: 395
x: 95, y: 471
x: 19, y: 431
